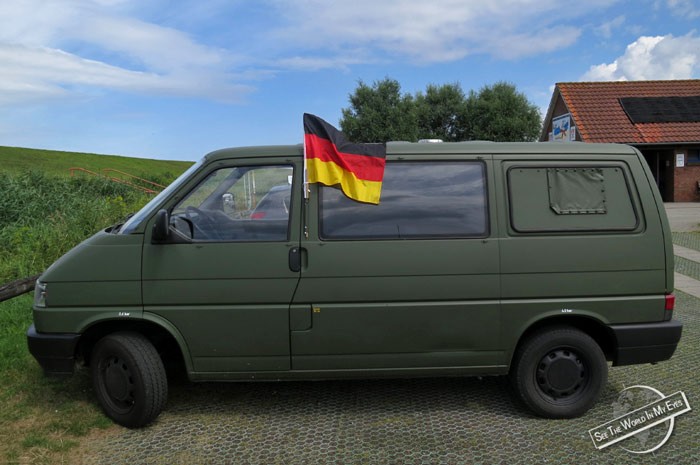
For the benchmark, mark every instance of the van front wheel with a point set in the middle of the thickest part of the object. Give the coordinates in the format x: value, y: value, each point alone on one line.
x: 129, y: 379
x: 559, y: 372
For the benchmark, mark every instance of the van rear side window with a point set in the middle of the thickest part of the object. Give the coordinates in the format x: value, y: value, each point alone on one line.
x: 571, y: 198
x: 418, y: 200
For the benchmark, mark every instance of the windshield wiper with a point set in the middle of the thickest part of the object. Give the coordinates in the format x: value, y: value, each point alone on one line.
x: 114, y: 229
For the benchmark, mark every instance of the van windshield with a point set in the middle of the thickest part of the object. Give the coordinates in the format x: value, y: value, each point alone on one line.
x: 146, y: 211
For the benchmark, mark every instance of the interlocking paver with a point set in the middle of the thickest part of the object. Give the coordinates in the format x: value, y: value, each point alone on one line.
x: 419, y: 421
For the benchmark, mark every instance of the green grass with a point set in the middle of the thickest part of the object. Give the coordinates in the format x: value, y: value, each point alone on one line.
x: 41, y: 419
x: 17, y: 160
x: 43, y: 213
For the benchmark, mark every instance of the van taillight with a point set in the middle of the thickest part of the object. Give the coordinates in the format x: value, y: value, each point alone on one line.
x: 257, y: 216
x: 670, y: 302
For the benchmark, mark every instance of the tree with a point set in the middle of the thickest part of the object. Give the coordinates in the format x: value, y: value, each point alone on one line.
x: 500, y: 113
x: 380, y: 113
x: 442, y: 113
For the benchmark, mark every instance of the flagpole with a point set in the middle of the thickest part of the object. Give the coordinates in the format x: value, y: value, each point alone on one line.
x: 306, y: 174
x: 306, y: 194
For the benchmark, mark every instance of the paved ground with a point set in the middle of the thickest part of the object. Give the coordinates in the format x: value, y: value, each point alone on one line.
x: 684, y: 216
x: 687, y: 284
x: 429, y: 421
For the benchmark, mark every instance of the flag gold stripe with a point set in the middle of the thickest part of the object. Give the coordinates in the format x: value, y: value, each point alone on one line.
x: 330, y: 174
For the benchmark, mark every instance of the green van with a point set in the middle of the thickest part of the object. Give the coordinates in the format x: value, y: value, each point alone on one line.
x: 542, y: 261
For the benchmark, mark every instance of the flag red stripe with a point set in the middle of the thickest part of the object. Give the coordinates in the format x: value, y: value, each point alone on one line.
x: 365, y: 167
x: 330, y: 174
x: 317, y: 126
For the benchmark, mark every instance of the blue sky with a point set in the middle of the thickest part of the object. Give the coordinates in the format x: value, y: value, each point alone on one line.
x: 176, y: 79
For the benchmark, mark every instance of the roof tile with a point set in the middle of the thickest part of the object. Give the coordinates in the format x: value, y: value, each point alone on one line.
x: 599, y: 117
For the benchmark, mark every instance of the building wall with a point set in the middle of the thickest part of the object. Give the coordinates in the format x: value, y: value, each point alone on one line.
x: 685, y: 185
x: 560, y: 108
x: 676, y: 184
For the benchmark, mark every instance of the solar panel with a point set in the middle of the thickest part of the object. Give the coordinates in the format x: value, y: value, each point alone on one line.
x: 662, y: 109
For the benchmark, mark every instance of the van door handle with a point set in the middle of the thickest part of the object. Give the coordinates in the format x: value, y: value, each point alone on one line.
x: 295, y: 259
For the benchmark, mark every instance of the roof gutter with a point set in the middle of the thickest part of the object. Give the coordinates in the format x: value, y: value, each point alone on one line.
x: 660, y: 144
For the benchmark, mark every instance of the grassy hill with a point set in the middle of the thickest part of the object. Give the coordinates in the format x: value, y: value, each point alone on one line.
x: 52, y: 162
x: 43, y: 213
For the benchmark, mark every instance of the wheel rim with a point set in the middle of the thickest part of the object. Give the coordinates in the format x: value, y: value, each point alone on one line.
x: 117, y: 384
x: 561, y: 375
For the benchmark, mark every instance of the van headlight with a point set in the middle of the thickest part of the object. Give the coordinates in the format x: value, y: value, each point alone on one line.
x: 40, y: 293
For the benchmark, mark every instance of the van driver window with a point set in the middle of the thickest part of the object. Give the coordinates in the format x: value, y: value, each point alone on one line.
x: 250, y: 203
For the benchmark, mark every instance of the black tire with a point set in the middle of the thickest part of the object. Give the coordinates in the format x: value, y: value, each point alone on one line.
x: 129, y: 379
x: 559, y: 372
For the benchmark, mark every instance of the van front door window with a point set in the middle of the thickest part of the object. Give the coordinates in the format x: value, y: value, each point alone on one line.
x: 250, y: 203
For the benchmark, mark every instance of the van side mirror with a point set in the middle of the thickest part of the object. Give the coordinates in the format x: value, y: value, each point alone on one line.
x: 161, y: 227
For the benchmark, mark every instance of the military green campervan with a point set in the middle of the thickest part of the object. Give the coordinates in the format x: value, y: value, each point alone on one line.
x: 541, y: 261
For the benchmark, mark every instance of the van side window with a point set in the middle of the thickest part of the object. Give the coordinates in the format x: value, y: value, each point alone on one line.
x: 250, y: 203
x: 418, y: 200
x: 571, y: 198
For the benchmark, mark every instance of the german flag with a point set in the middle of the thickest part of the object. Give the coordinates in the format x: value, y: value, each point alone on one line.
x: 331, y: 160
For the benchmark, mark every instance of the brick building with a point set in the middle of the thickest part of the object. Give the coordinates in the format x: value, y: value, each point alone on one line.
x: 660, y: 118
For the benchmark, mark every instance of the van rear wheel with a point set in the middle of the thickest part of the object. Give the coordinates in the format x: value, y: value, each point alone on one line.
x: 129, y: 379
x: 559, y: 372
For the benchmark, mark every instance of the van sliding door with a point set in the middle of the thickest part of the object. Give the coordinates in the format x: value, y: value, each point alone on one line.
x: 408, y: 284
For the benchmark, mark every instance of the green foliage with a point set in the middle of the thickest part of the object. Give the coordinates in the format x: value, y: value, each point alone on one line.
x: 44, y: 211
x: 442, y: 113
x: 43, y: 216
x: 380, y: 113
x: 500, y: 113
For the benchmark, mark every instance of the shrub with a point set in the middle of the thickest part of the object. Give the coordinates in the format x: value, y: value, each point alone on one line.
x: 42, y: 217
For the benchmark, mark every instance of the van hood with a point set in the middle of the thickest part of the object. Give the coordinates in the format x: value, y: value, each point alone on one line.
x: 103, y: 271
x: 102, y: 257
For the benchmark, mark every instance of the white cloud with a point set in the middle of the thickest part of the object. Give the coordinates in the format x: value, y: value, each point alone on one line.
x: 316, y: 63
x: 52, y: 48
x: 606, y: 29
x: 684, y: 8
x: 39, y: 73
x: 61, y: 48
x: 660, y: 57
x: 435, y: 31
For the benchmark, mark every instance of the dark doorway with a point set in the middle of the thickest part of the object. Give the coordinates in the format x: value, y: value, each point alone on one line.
x: 661, y: 164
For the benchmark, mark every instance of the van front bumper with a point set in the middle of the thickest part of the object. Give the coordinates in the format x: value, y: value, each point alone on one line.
x: 55, y: 352
x: 645, y: 343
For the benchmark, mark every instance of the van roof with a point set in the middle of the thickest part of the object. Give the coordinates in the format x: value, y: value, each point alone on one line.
x: 446, y: 148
